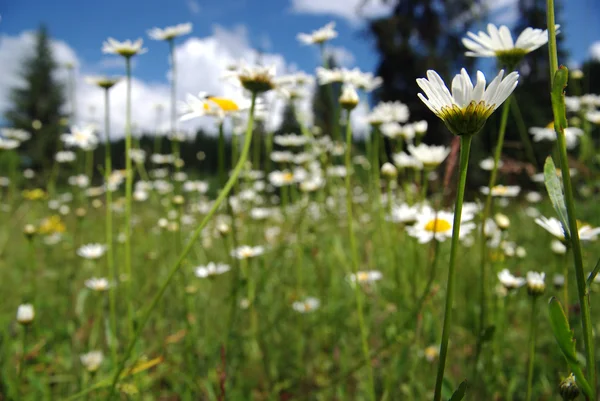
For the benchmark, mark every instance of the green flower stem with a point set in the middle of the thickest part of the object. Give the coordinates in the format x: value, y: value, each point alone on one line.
x: 565, y: 273
x: 89, y: 164
x: 465, y: 147
x: 188, y: 247
x: 335, y: 123
x: 128, y: 193
x: 582, y: 290
x: 22, y: 359
x: 375, y: 165
x: 268, y: 151
x: 110, y: 262
x: 355, y: 261
x: 531, y: 356
x: 221, y: 155
x: 487, y: 209
x: 522, y: 128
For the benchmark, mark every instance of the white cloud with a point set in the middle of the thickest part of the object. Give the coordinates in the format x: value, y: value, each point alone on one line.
x: 595, y: 51
x: 352, y: 10
x: 503, y: 11
x: 200, y: 64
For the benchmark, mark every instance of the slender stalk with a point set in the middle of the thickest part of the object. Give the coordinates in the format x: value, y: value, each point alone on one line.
x: 565, y: 273
x: 188, y: 247
x: 22, y: 359
x: 588, y: 336
x: 128, y: 190
x: 531, y: 356
x: 110, y: 263
x: 221, y: 155
x: 482, y: 240
x: 465, y: 147
x: 355, y: 262
x: 335, y: 124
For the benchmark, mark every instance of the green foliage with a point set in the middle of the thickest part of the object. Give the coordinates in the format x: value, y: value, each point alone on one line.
x: 39, y: 98
x: 555, y: 192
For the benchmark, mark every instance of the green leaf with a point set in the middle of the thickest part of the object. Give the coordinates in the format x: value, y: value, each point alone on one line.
x: 564, y: 338
x: 554, y: 188
x: 460, y: 392
x: 593, y: 274
x: 561, y: 77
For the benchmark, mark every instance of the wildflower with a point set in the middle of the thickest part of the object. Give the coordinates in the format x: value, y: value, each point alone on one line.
x: 557, y: 247
x: 436, y: 225
x: 281, y: 178
x: 388, y: 170
x: 509, y: 191
x: 91, y: 251
x: 558, y: 280
x: 103, y: 82
x: 290, y: 140
x: 568, y: 388
x: 206, y: 105
x: 466, y: 110
x: 488, y: 164
x: 80, y: 181
x: 319, y: 36
x: 170, y: 32
x: 97, y: 284
x: 52, y: 225
x: 365, y: 276
x: 137, y: 155
x: 428, y: 155
x: 388, y: 112
x: 349, y: 98
x: 8, y: 144
x: 403, y: 160
x: 64, y: 156
x: 404, y: 214
x: 555, y: 227
x: 92, y: 360
x: 502, y: 221
x: 548, y: 133
x: 509, y: 281
x: 535, y: 283
x: 307, y: 305
x: 29, y: 230
x: 81, y: 137
x: 25, y: 314
x: 17, y: 134
x: 498, y: 42
x: 247, y: 252
x: 431, y: 353
x: 125, y: 49
x: 533, y: 197
x: 34, y: 194
x: 211, y: 269
x: 256, y: 79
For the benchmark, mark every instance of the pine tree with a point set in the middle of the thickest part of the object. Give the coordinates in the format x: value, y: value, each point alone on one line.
x: 325, y: 100
x: 38, y: 101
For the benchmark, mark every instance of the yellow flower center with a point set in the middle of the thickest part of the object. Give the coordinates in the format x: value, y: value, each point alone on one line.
x: 438, y: 226
x: 500, y: 190
x: 287, y: 177
x: 362, y: 276
x: 550, y: 125
x: 224, y: 104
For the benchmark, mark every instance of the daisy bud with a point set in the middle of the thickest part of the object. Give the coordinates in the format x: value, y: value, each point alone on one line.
x: 349, y: 98
x: 96, y: 203
x: 29, y: 231
x: 178, y: 200
x: 502, y: 221
x: 223, y: 229
x: 25, y: 314
x: 568, y: 388
x: 535, y: 283
x: 389, y: 171
x: 558, y: 280
x: 576, y: 74
x: 179, y: 163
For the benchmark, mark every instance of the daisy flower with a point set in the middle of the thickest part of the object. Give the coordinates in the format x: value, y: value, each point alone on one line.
x: 487, y: 164
x: 555, y: 227
x: 247, y: 252
x: 290, y: 140
x: 125, y: 49
x: 436, y: 225
x: 307, y: 305
x: 509, y: 191
x: 8, y: 144
x: 498, y: 42
x: 91, y: 251
x: 365, y: 276
x: 349, y: 98
x: 103, y: 82
x: 97, y: 284
x: 170, y: 32
x: 64, y: 156
x: 211, y: 269
x: 509, y: 281
x: 467, y: 108
x: 535, y: 283
x: 92, y: 360
x: 428, y: 155
x: 15, y: 133
x: 25, y: 314
x: 81, y: 137
x: 319, y: 36
x: 206, y: 105
x: 403, y: 160
x: 548, y: 133
x: 256, y: 79
x: 387, y: 112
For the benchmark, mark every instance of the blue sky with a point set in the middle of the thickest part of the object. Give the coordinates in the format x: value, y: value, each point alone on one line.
x: 223, y: 31
x: 271, y: 25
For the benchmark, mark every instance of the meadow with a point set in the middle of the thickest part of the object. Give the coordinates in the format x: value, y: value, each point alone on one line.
x: 329, y: 273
